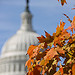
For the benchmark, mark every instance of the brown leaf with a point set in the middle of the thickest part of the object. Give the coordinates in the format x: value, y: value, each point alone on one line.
x: 37, y: 69
x: 40, y: 55
x: 68, y: 18
x: 41, y: 39
x: 63, y: 2
x: 46, y: 39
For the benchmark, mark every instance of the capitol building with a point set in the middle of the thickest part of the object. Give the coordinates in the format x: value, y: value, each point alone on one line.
x: 13, y: 55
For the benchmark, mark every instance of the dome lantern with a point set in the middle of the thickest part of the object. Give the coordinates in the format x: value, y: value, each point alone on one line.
x: 26, y: 19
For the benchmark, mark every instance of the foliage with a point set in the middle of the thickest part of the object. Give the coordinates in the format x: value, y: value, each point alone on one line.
x: 44, y: 58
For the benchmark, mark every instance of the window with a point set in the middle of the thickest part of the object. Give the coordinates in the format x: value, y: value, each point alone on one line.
x: 28, y: 21
x: 9, y: 68
x: 19, y: 67
x: 25, y: 46
x: 4, y: 68
x: 14, y: 67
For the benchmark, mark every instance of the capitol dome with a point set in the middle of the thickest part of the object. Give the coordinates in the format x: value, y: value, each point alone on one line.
x: 19, y: 42
x: 13, y: 56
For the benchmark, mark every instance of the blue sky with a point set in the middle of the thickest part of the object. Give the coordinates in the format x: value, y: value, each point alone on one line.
x: 46, y: 16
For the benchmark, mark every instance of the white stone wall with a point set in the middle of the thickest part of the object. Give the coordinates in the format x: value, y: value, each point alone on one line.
x: 12, y: 66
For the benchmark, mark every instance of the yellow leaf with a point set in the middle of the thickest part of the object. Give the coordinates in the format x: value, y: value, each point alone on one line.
x: 57, y: 73
x: 42, y: 62
x: 69, y: 61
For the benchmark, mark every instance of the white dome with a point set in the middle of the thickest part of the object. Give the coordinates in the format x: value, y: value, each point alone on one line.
x: 20, y: 42
x: 14, y: 51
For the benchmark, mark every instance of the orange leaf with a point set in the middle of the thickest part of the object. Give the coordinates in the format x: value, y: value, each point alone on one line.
x: 69, y: 28
x: 73, y: 69
x: 50, y: 54
x: 43, y: 72
x: 73, y: 24
x: 37, y: 49
x: 28, y: 63
x: 57, y: 73
x: 60, y: 50
x: 60, y: 28
x: 30, y: 50
x: 61, y: 69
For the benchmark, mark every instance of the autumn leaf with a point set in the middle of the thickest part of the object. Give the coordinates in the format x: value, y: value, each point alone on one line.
x: 40, y: 55
x: 37, y: 69
x: 69, y: 28
x: 63, y: 1
x: 68, y: 18
x: 30, y: 50
x: 59, y: 29
x: 28, y: 63
x: 42, y: 62
x: 41, y: 39
x: 44, y: 58
x: 73, y: 69
x: 43, y: 71
x: 37, y: 49
x: 61, y: 69
x: 57, y: 73
x: 60, y: 50
x: 50, y: 54
x: 68, y: 61
x: 73, y: 24
x: 46, y: 39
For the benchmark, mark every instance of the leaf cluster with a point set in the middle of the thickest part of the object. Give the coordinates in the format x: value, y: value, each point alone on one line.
x: 44, y: 58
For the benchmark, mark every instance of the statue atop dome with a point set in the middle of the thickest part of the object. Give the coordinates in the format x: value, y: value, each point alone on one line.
x: 27, y: 6
x: 27, y: 1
